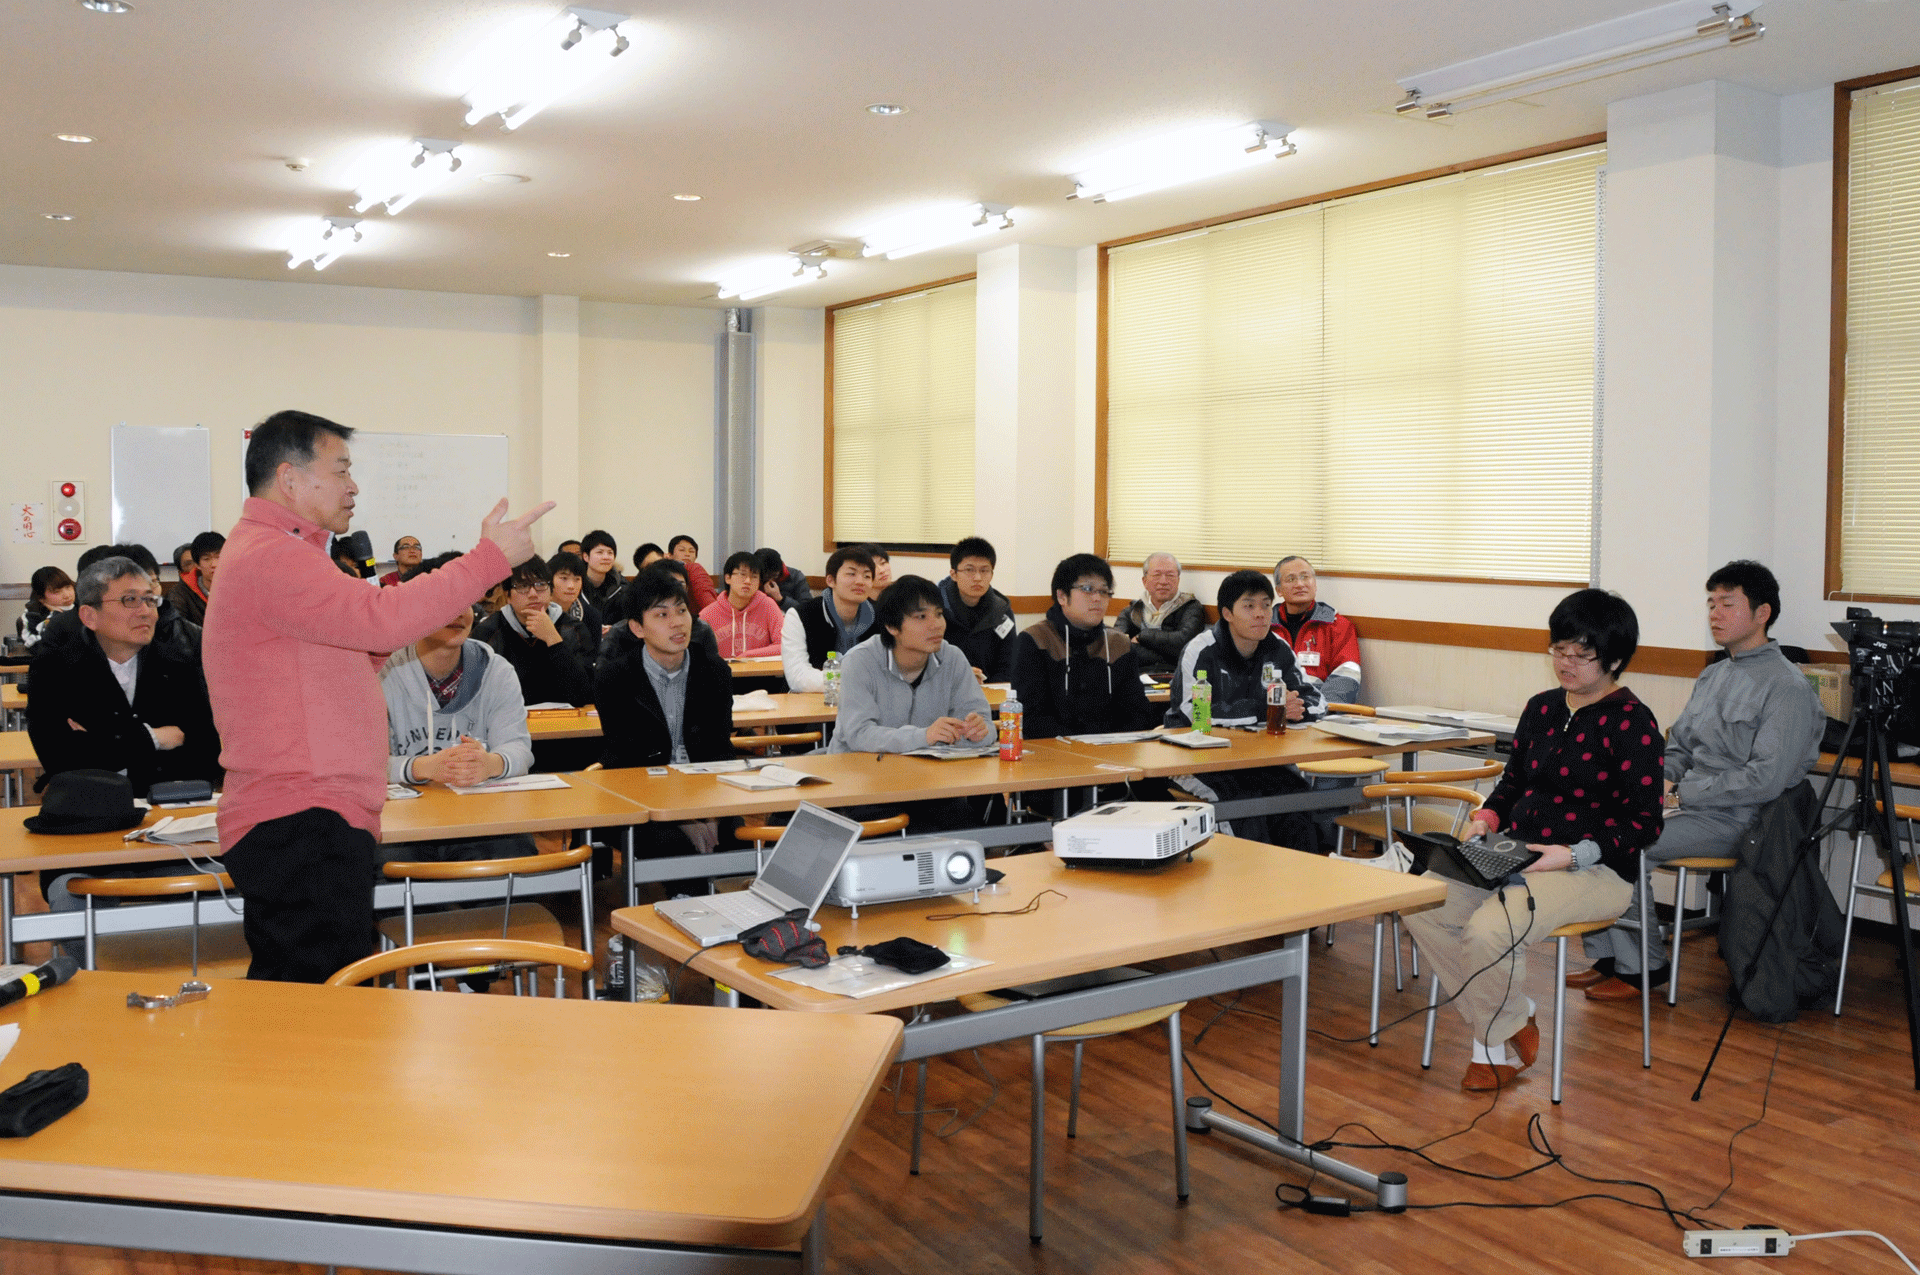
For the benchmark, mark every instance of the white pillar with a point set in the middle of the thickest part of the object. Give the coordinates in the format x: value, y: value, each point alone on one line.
x: 1024, y: 480
x: 1689, y: 288
x: 559, y: 458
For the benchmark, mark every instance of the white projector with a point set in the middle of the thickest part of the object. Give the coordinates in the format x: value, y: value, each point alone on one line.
x: 889, y: 869
x: 1123, y: 834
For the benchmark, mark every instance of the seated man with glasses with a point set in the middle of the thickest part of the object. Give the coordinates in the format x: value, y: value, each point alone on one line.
x: 407, y: 555
x: 114, y: 700
x: 1324, y: 642
x: 526, y: 631
x: 979, y: 617
x: 1750, y: 731
x: 1073, y: 674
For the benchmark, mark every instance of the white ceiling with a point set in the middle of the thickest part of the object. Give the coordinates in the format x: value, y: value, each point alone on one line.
x: 757, y: 106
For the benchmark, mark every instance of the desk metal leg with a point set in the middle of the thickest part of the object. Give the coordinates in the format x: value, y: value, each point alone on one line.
x: 1390, y: 1189
x: 1037, y: 1157
x: 633, y: 901
x: 6, y: 918
x: 1176, y: 1057
x: 813, y: 1249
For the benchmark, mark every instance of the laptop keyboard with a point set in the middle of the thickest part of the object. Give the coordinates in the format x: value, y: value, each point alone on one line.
x: 742, y: 907
x: 1492, y: 864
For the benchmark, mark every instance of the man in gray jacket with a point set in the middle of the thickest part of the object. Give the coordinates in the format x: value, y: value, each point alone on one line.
x: 1750, y: 730
x: 454, y: 716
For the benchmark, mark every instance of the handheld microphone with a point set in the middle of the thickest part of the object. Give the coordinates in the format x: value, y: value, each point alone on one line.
x: 362, y: 546
x: 55, y: 972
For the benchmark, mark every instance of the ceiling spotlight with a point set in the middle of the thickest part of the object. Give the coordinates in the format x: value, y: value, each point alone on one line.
x: 106, y: 6
x: 1606, y: 48
x: 564, y: 56
x: 78, y: 139
x: 397, y: 173
x: 1180, y: 158
x: 504, y: 179
x: 688, y: 199
x: 769, y: 277
x: 1409, y: 104
x: 559, y: 254
x: 322, y: 242
x: 58, y: 216
x: 935, y: 227
x: 886, y: 108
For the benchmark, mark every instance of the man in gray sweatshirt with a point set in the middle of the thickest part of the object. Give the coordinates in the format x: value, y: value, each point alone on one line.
x: 1750, y: 731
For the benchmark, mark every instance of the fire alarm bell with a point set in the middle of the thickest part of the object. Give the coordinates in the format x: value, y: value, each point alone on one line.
x: 67, y: 511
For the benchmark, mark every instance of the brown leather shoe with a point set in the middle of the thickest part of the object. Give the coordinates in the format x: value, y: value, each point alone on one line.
x: 1526, y: 1043
x: 1613, y: 989
x: 1587, y: 977
x: 1486, y: 1077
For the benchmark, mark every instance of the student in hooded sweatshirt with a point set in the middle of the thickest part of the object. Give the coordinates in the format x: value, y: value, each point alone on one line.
x: 527, y: 632
x: 746, y: 621
x: 1071, y: 672
x: 1233, y: 654
x: 455, y: 717
x: 979, y: 617
x: 838, y: 620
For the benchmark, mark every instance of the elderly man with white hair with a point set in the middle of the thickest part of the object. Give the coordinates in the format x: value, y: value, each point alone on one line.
x: 1164, y: 618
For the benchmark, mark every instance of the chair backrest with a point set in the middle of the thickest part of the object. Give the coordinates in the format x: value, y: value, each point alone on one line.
x: 149, y: 887
x: 1354, y: 710
x: 456, y: 954
x: 760, y: 833
x: 481, y: 869
x: 1463, y: 775
x: 777, y: 741
x: 1407, y: 794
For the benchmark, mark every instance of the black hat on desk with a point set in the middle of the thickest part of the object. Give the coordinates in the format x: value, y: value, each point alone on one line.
x: 78, y: 801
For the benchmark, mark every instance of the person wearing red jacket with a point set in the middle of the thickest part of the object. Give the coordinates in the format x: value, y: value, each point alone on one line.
x: 1324, y: 642
x: 291, y: 651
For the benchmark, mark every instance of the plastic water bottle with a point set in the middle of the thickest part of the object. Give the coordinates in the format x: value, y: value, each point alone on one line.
x: 1202, y: 702
x: 830, y: 679
x: 617, y: 969
x: 1011, y: 715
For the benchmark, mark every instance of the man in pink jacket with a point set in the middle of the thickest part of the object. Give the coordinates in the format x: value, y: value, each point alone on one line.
x: 291, y: 648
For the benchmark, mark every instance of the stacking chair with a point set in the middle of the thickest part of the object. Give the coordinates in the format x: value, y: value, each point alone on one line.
x: 980, y: 1002
x: 766, y: 834
x: 527, y: 921
x: 461, y: 956
x: 1882, y: 887
x: 1414, y: 816
x: 775, y: 743
x: 157, y: 951
x: 1711, y: 865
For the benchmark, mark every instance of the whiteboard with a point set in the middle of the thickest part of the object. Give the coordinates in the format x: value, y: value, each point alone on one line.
x: 434, y: 486
x: 162, y: 486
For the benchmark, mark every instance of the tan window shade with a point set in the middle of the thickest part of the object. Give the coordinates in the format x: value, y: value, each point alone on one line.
x: 903, y: 418
x: 1879, y: 523
x: 1400, y: 382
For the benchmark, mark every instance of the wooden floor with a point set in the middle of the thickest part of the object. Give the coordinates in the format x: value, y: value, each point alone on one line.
x: 1836, y: 1151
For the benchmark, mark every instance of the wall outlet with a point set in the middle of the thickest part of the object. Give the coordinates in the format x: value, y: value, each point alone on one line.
x: 1769, y: 1241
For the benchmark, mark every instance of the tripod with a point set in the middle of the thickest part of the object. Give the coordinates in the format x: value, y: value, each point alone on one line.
x: 1876, y: 668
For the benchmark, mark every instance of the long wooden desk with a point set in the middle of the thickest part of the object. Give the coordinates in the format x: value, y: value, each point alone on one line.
x: 13, y: 706
x: 766, y: 667
x: 413, y: 1131
x: 17, y: 758
x: 435, y: 815
x: 1234, y: 891
x: 1248, y: 750
x: 1905, y: 774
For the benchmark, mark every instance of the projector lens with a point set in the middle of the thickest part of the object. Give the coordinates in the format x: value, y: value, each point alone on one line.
x: 959, y: 867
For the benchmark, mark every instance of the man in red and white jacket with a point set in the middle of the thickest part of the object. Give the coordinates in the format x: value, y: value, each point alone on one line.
x: 1324, y: 642
x: 291, y: 649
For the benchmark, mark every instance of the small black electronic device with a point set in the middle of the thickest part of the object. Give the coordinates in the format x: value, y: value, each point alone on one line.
x: 1486, y: 864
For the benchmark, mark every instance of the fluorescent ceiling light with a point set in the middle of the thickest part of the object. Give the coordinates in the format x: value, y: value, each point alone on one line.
x: 768, y: 277
x: 397, y: 173
x: 934, y: 227
x: 1606, y: 48
x: 529, y: 71
x: 322, y: 241
x: 1180, y: 158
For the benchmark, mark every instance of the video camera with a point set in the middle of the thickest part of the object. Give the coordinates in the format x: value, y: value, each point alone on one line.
x: 1876, y: 647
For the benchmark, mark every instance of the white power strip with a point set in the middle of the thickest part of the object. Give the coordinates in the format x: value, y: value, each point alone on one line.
x: 1759, y: 1242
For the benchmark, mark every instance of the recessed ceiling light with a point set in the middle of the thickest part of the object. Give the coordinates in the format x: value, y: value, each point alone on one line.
x: 106, y: 6
x: 559, y: 254
x: 688, y: 199
x: 58, y: 216
x: 504, y: 179
x: 886, y: 108
x: 80, y: 139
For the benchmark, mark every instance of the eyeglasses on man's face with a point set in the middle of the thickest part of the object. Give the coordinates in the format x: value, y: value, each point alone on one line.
x: 1099, y: 591
x: 139, y: 601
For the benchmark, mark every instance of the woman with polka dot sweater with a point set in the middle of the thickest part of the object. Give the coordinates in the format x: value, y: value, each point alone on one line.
x: 1583, y: 788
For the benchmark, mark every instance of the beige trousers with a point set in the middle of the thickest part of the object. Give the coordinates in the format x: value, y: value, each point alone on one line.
x: 1466, y: 940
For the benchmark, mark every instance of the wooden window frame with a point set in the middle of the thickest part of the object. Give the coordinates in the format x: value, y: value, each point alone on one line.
x: 1100, y: 344
x: 1837, y: 339
x: 828, y: 543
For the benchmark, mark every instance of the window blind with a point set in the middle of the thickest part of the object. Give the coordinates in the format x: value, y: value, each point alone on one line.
x: 1880, y: 484
x: 903, y: 379
x: 1400, y: 382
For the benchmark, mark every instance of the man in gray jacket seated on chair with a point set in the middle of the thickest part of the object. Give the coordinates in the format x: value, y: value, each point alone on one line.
x: 454, y: 716
x: 1750, y: 731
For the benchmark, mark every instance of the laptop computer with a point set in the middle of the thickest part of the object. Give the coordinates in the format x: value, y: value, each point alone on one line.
x: 1486, y: 864
x: 797, y: 875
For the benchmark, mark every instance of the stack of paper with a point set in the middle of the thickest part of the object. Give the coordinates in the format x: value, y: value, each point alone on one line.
x: 769, y: 778
x: 519, y: 783
x: 174, y: 831
x: 1369, y: 730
